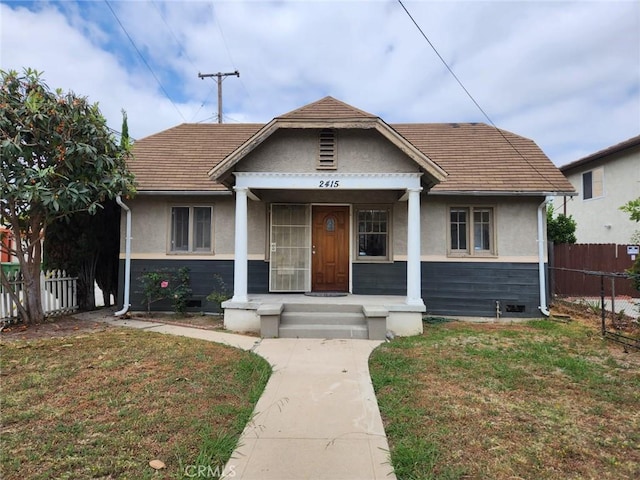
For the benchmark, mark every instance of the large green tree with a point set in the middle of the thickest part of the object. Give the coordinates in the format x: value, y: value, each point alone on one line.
x: 560, y: 229
x: 58, y: 157
x: 632, y: 207
x: 87, y: 246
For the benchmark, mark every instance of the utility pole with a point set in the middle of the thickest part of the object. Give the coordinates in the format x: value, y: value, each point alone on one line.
x: 219, y: 77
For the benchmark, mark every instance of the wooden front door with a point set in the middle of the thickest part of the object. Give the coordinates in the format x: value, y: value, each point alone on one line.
x: 330, y: 249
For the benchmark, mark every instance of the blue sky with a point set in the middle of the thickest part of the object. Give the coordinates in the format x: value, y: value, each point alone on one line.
x: 566, y: 74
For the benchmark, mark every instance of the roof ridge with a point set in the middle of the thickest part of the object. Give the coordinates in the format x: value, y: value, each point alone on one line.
x: 326, y: 107
x: 610, y: 150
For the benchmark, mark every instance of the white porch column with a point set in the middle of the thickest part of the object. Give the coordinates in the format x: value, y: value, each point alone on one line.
x: 414, y: 296
x: 240, y: 264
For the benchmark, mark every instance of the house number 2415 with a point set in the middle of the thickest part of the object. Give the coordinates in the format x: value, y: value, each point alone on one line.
x: 329, y: 184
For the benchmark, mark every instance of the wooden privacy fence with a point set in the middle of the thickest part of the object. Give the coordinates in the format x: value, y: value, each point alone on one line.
x: 568, y: 263
x: 59, y: 294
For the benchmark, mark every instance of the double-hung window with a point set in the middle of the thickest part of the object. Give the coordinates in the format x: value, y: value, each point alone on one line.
x: 191, y: 229
x: 373, y: 234
x: 471, y: 231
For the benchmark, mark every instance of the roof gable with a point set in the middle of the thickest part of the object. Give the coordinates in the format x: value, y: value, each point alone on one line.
x: 327, y: 113
x: 327, y: 108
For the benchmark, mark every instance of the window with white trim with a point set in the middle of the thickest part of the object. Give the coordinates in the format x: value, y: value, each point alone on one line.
x: 593, y: 184
x: 191, y: 229
x: 372, y: 227
x: 471, y: 231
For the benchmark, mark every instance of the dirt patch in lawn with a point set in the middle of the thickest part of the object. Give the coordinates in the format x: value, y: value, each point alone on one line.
x: 205, y: 322
x: 55, y: 328
x: 591, y: 316
x: 89, y: 322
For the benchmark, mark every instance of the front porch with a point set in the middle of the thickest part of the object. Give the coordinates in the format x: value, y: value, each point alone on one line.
x: 283, y: 314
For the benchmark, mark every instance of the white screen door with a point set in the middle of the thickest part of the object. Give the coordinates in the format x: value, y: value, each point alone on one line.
x: 290, y: 248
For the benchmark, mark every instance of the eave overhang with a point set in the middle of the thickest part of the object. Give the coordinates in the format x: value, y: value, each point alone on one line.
x: 504, y: 193
x: 185, y: 193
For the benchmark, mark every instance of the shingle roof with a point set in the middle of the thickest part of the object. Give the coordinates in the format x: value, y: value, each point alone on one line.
x: 179, y: 158
x: 481, y: 158
x: 476, y: 156
x: 618, y: 147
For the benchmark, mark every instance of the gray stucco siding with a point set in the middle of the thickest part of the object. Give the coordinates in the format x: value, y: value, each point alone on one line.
x: 515, y: 223
x: 296, y: 151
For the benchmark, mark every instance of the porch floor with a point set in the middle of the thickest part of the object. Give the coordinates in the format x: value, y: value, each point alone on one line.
x: 395, y: 303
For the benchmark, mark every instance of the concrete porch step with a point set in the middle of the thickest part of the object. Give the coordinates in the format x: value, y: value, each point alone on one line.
x: 322, y: 318
x: 329, y: 307
x: 323, y: 331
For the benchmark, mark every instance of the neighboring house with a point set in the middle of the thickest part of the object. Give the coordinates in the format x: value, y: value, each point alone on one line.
x: 605, y: 181
x: 413, y: 218
x: 6, y: 243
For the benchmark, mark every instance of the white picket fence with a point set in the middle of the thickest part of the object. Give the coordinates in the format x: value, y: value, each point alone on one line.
x: 59, y: 294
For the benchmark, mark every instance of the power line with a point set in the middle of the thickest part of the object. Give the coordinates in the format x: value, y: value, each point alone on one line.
x: 144, y: 60
x: 226, y: 46
x: 175, y: 37
x: 203, y: 104
x: 183, y: 51
x: 119, y: 134
x: 424, y: 35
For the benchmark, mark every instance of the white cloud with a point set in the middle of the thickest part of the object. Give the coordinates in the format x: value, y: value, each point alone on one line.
x: 564, y: 74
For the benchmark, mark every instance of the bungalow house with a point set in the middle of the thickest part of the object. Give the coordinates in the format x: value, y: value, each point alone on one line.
x: 604, y: 180
x: 329, y: 221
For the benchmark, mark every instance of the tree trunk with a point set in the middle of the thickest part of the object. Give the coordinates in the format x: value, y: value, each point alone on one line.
x: 33, y: 294
x: 106, y: 298
x: 29, y: 254
x: 86, y: 287
x: 30, y: 268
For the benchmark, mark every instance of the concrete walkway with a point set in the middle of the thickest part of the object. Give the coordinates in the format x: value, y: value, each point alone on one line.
x: 318, y: 417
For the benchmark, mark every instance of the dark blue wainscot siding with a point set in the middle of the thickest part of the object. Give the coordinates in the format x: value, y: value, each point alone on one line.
x: 458, y: 288
x: 202, y: 274
x: 380, y: 278
x: 472, y: 289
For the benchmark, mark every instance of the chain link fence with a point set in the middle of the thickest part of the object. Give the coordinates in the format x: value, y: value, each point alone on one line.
x: 608, y: 294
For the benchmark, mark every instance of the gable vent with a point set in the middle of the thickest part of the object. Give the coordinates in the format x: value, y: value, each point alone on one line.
x: 327, y: 158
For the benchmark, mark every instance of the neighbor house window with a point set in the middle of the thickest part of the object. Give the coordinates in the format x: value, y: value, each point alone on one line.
x: 191, y: 229
x: 471, y: 231
x: 373, y: 234
x: 593, y: 183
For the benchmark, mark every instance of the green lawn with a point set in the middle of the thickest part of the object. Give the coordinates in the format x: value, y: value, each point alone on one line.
x: 103, y: 405
x: 540, y: 400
